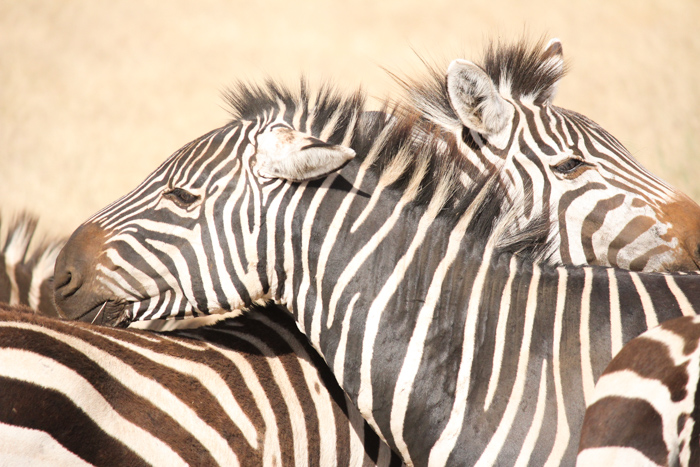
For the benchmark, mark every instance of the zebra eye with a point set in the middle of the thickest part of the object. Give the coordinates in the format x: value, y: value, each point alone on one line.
x: 569, y: 166
x: 181, y: 197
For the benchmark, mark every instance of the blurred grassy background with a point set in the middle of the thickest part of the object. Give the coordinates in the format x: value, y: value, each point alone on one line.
x: 94, y: 95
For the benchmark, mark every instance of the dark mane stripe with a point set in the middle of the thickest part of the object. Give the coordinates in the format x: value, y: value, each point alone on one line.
x: 251, y: 101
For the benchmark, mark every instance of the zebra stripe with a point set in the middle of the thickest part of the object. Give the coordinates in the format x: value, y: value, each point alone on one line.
x: 530, y: 339
x: 246, y: 391
x: 644, y: 408
x: 604, y: 207
x: 26, y: 279
x: 397, y: 253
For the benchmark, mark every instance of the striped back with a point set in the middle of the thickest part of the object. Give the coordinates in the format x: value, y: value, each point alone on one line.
x: 249, y: 391
x: 645, y: 407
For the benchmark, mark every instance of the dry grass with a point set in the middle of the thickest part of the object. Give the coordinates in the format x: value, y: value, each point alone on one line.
x: 93, y: 96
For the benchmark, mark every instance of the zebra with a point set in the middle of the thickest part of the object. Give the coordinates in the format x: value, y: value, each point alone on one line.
x: 644, y: 410
x: 288, y: 393
x: 27, y: 280
x: 605, y: 208
x: 247, y: 391
x: 367, y: 235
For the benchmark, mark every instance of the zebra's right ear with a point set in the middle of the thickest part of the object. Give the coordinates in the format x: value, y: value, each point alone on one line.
x: 295, y: 156
x: 475, y: 99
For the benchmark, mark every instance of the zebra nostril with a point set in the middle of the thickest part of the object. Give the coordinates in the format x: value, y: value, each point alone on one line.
x: 68, y: 282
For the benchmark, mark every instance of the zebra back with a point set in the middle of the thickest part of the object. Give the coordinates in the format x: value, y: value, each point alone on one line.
x: 645, y: 408
x: 248, y: 391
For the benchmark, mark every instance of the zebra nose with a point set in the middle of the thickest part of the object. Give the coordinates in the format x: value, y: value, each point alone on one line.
x: 68, y: 282
x: 74, y: 272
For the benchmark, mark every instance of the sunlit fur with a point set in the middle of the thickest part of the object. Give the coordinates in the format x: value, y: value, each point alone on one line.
x: 609, y: 211
x: 452, y: 348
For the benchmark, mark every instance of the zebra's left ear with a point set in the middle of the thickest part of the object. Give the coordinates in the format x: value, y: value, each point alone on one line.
x: 295, y: 156
x: 475, y: 99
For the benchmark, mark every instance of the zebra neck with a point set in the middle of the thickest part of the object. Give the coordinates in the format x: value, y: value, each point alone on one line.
x: 473, y: 346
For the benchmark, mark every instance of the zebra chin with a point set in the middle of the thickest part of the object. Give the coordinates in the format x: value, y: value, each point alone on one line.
x: 110, y: 313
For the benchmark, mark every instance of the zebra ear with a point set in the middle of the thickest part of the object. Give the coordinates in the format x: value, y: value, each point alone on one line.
x: 291, y: 155
x: 553, y: 61
x: 475, y: 98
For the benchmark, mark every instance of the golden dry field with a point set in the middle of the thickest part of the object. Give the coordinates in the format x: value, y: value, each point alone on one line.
x: 94, y: 95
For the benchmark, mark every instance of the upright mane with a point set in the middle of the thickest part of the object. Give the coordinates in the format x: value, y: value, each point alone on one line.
x: 27, y: 266
x: 20, y: 248
x: 522, y: 70
x: 325, y: 110
x: 403, y: 151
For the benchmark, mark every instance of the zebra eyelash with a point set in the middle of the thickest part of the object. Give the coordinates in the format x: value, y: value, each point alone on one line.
x: 570, y: 166
x: 181, y: 197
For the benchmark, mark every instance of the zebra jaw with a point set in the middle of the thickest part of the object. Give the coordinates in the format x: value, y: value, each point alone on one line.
x: 112, y: 313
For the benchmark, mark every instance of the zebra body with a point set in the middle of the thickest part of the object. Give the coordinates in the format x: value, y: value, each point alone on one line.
x: 403, y: 278
x: 644, y: 410
x: 249, y: 391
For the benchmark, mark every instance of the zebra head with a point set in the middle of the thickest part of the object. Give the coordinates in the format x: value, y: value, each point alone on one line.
x: 166, y: 248
x: 605, y: 208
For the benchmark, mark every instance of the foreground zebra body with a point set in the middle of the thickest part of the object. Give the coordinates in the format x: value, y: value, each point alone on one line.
x: 453, y: 349
x: 294, y: 413
x: 646, y: 406
x: 247, y: 391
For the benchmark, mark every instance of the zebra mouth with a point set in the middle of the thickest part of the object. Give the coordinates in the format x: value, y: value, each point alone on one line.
x: 113, y: 313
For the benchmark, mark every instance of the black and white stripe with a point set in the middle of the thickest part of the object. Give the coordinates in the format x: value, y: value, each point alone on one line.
x: 25, y: 279
x: 605, y: 208
x: 645, y: 407
x: 248, y: 391
x: 401, y: 276
x: 280, y: 388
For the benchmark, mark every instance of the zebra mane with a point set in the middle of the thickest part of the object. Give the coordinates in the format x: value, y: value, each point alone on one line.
x: 401, y: 148
x: 522, y: 70
x: 308, y: 111
x: 18, y: 242
x: 15, y: 252
x: 415, y: 154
